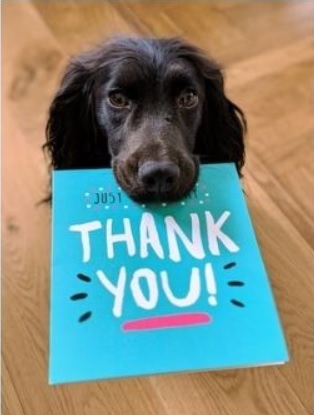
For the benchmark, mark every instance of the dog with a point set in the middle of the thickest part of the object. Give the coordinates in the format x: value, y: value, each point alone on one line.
x: 153, y: 109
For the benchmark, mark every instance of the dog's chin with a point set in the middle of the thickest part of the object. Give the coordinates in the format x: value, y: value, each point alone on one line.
x: 127, y: 180
x: 142, y: 196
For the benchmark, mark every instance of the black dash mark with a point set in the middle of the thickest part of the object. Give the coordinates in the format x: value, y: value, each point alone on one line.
x: 78, y: 296
x: 236, y: 283
x: 84, y: 277
x: 237, y: 303
x: 230, y: 265
x: 85, y: 316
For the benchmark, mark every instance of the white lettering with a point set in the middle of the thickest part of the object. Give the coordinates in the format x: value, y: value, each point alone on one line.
x: 193, y: 293
x: 149, y: 236
x: 194, y: 246
x: 116, y: 290
x: 126, y: 237
x: 85, y: 229
x: 149, y: 276
x: 211, y: 284
x: 214, y: 233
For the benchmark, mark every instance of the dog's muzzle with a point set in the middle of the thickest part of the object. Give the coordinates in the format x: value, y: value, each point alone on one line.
x: 156, y: 180
x: 158, y: 177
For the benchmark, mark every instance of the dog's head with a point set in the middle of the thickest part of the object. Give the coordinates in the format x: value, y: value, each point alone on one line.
x: 150, y: 108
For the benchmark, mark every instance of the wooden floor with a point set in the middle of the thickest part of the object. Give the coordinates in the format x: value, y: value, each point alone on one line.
x: 266, y: 48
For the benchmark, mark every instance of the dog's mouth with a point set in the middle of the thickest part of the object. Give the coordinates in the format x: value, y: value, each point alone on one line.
x: 157, y: 180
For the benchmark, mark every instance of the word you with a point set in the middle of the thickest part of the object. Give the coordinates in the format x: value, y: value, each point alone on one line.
x: 156, y: 283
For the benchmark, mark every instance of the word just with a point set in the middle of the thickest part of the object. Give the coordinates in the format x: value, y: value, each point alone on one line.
x: 200, y: 239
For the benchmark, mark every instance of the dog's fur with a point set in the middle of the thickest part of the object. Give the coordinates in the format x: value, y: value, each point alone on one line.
x: 150, y: 108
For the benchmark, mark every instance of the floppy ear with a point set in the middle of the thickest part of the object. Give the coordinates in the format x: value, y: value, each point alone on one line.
x: 73, y: 137
x: 221, y: 134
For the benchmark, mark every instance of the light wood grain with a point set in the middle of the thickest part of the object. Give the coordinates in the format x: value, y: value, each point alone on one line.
x: 266, y: 48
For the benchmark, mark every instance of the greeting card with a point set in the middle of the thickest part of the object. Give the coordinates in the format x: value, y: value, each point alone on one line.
x: 143, y: 289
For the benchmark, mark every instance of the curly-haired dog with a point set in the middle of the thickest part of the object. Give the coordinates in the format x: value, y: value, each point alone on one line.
x: 153, y: 109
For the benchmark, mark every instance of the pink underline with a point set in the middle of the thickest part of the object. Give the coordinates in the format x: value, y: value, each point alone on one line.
x: 168, y: 321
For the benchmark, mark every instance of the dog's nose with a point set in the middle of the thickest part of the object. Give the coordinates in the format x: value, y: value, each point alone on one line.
x: 158, y: 176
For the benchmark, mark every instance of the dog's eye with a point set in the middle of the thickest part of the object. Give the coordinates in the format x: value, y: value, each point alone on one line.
x: 118, y: 100
x: 188, y: 99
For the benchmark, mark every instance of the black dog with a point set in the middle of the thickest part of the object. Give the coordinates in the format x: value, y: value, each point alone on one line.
x: 150, y: 108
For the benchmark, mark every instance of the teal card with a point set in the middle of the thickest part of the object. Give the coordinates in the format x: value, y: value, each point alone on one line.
x: 144, y: 289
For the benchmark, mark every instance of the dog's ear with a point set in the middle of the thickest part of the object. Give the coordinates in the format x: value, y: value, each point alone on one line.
x: 73, y: 136
x: 221, y: 134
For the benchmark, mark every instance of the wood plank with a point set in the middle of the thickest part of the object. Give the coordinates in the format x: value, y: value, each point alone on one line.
x: 222, y: 28
x: 199, y: 23
x: 280, y: 140
x: 32, y: 62
x: 250, y: 70
x: 267, y: 51
x: 81, y: 25
x: 266, y: 140
x: 289, y: 261
x: 299, y: 178
x: 265, y: 20
x: 249, y: 391
x: 10, y: 404
x: 284, y: 196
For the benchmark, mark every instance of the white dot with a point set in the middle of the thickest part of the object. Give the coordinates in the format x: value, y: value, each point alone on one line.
x: 87, y: 194
x: 201, y: 202
x: 164, y: 204
x: 143, y: 206
x: 206, y: 194
x: 88, y: 206
x: 100, y: 189
x: 212, y: 300
x: 107, y: 207
x: 197, y: 184
x: 183, y: 203
x: 126, y: 207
